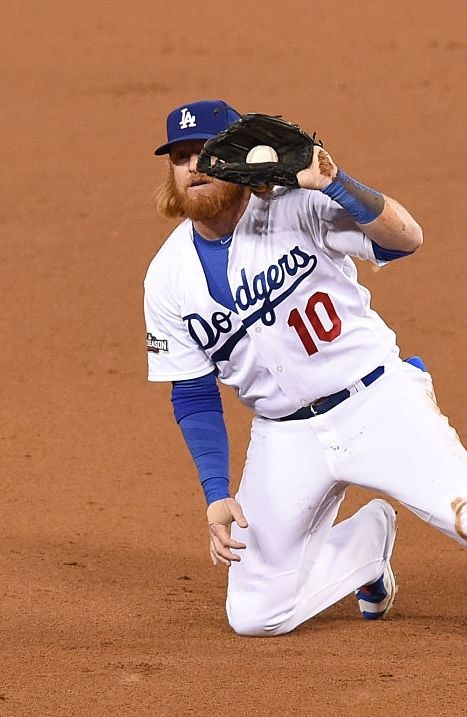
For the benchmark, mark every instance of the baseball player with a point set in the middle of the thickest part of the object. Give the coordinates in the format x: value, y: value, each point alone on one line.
x: 258, y: 289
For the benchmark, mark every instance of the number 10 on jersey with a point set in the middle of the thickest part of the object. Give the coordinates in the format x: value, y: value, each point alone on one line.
x: 297, y: 322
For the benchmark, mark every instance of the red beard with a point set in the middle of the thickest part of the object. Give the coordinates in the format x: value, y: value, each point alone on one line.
x: 203, y: 207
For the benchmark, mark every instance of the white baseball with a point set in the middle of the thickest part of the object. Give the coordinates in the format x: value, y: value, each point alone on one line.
x: 262, y: 153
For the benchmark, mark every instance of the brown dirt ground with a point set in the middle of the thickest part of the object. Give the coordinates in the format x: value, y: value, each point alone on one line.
x: 109, y: 604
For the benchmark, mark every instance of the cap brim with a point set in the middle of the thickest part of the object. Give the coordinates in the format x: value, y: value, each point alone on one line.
x: 165, y: 148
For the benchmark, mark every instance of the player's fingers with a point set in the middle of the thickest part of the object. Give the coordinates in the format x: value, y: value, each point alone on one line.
x: 235, y: 544
x: 238, y: 515
x: 218, y: 557
x: 220, y: 544
x: 221, y: 534
x: 221, y: 548
x: 213, y: 555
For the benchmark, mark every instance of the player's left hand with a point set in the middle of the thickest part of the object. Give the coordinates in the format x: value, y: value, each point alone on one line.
x: 321, y: 172
x: 221, y: 514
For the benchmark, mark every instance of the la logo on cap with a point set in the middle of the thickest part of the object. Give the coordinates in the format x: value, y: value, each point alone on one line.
x: 188, y: 120
x: 197, y: 121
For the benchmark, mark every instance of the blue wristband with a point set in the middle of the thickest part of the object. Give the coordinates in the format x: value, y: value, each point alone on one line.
x: 362, y: 203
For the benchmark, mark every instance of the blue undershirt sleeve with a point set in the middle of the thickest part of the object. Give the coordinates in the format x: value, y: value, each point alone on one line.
x: 383, y: 254
x: 198, y: 411
x: 196, y: 395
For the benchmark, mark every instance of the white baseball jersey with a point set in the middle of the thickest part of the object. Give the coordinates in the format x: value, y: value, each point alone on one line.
x: 303, y: 328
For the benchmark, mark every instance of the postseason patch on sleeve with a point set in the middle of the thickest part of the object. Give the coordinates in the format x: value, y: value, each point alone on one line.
x: 156, y: 345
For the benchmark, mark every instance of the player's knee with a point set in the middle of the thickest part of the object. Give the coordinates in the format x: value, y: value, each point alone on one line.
x: 256, y: 618
x: 246, y: 625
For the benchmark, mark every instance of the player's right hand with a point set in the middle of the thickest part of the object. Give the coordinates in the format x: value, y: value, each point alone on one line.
x: 221, y: 514
x: 321, y: 172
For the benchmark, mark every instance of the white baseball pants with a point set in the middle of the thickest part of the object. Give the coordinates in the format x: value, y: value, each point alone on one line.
x: 390, y: 438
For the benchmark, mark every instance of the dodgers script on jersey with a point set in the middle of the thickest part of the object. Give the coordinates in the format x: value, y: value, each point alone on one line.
x: 303, y: 326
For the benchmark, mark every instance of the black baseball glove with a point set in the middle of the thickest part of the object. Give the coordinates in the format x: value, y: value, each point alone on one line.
x: 225, y: 155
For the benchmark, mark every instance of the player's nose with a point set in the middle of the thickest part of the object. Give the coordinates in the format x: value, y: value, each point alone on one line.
x: 193, y: 161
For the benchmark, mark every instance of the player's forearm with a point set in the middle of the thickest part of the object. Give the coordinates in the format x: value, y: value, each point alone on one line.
x: 383, y: 220
x: 206, y: 438
x: 198, y: 412
x: 395, y: 228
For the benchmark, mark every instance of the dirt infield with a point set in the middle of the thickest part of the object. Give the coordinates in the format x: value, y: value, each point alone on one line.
x: 109, y: 603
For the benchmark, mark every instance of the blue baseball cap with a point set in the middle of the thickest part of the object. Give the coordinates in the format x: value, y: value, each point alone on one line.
x: 197, y: 120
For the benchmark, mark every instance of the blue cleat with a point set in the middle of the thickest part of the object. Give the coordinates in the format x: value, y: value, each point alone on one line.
x: 376, y: 599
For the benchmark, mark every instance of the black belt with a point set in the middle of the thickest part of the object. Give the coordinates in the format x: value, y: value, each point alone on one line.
x: 325, y: 404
